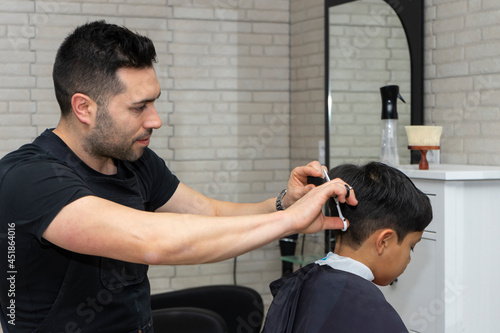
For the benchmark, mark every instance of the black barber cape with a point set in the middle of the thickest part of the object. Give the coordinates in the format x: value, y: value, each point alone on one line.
x: 320, y: 299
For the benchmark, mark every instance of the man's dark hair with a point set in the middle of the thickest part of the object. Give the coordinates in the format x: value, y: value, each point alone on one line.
x: 88, y: 59
x: 387, y: 198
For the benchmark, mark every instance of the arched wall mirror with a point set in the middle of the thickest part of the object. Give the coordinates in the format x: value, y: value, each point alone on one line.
x: 370, y: 44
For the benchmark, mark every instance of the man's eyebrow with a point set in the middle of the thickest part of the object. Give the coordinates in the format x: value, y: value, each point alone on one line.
x: 148, y: 100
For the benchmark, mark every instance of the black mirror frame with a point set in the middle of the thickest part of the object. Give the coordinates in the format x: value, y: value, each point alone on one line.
x: 411, y: 14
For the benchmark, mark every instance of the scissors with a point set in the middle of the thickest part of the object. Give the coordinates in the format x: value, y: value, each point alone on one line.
x: 337, y: 204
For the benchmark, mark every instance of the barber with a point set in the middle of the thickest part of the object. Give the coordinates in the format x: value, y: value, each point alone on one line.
x: 91, y: 206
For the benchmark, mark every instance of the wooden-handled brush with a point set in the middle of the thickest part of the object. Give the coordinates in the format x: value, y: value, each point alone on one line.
x: 424, y: 138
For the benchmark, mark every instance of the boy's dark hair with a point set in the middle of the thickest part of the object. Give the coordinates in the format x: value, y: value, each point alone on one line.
x: 88, y: 59
x: 387, y: 198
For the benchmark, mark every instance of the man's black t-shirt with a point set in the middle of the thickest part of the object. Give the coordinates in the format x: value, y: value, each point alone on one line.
x: 44, y: 288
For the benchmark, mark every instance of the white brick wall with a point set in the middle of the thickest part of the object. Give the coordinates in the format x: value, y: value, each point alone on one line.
x: 463, y: 79
x: 234, y: 78
x: 307, y: 67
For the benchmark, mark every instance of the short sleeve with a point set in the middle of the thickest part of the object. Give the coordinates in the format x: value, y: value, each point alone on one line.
x: 32, y: 193
x: 159, y: 183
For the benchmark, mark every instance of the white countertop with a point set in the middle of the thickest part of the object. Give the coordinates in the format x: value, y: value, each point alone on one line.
x: 453, y: 172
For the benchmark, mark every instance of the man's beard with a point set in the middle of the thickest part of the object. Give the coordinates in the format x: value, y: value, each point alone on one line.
x: 106, y: 140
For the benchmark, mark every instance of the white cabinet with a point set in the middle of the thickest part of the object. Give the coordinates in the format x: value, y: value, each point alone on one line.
x: 452, y: 283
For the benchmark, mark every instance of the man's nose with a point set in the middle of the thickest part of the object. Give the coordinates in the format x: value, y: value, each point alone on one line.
x: 153, y: 119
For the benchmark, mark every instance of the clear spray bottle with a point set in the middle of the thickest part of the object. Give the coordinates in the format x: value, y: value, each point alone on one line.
x: 389, y: 145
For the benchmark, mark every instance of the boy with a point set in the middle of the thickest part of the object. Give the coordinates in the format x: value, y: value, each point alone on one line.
x: 336, y: 294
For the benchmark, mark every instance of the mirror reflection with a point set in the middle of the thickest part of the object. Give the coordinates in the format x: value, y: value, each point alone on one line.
x: 368, y: 49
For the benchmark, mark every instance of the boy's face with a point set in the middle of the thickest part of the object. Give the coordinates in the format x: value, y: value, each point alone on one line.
x: 395, y: 259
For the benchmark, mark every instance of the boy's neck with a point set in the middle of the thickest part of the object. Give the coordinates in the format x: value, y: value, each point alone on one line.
x: 363, y: 254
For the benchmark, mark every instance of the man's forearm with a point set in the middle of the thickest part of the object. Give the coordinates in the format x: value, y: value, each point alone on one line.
x: 236, y: 209
x: 95, y: 226
x: 213, y: 239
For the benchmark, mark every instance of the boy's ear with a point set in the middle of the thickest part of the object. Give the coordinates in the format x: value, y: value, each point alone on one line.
x: 84, y: 108
x: 385, y: 238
